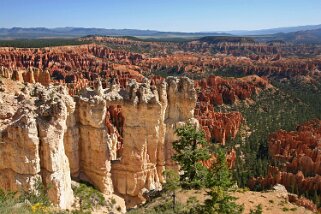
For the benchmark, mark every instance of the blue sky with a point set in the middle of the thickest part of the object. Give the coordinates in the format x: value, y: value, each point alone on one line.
x: 165, y: 15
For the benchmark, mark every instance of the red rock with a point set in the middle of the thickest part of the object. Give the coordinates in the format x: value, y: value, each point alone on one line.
x: 298, y: 154
x: 63, y: 64
x: 214, y: 91
x: 115, y: 124
x: 302, y: 201
x: 230, y: 158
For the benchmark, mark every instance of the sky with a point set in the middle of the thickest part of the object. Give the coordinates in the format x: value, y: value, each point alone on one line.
x: 163, y: 15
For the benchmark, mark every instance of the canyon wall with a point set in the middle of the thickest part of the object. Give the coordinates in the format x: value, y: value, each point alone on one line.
x: 33, y: 122
x: 117, y: 139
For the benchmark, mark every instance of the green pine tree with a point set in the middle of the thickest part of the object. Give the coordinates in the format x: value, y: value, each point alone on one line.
x: 190, y: 150
x: 220, y: 202
x: 219, y: 174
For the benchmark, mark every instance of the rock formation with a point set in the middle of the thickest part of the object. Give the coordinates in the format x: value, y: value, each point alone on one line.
x: 296, y: 159
x: 118, y: 139
x: 303, y: 202
x: 73, y: 64
x: 32, y: 146
x: 147, y: 139
x: 215, y: 91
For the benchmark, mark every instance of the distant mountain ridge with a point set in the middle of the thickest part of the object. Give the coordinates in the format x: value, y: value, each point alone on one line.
x: 274, y: 30
x: 308, y: 36
x: 301, y: 34
x: 17, y: 32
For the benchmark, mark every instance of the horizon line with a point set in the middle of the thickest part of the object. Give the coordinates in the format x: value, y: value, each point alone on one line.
x: 213, y: 31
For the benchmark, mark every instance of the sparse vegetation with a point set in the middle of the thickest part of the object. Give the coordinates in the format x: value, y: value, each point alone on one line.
x: 10, y: 203
x: 219, y: 202
x: 293, y: 209
x: 89, y: 197
x: 25, y: 202
x: 258, y: 210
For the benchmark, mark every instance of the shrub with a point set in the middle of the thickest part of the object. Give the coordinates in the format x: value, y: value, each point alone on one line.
x: 89, y: 197
x: 258, y: 210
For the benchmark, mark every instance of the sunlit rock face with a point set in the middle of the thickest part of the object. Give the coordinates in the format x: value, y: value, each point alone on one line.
x: 117, y: 139
x: 152, y: 113
x: 32, y: 142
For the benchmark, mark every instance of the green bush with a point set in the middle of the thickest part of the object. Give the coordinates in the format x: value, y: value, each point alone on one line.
x: 11, y: 203
x: 89, y: 197
x: 219, y: 174
x: 25, y: 202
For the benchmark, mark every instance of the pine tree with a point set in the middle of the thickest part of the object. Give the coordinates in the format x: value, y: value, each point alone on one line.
x: 219, y: 174
x: 191, y: 149
x: 219, y: 180
x: 220, y: 202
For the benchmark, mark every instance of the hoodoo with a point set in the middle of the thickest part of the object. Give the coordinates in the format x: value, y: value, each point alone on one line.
x: 49, y: 136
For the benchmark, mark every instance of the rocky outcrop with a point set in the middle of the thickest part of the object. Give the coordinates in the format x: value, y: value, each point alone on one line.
x: 117, y: 139
x: 215, y: 91
x: 300, y: 150
x: 51, y: 123
x: 146, y: 118
x: 268, y: 66
x: 143, y: 136
x: 6, y: 72
x: 72, y: 64
x: 147, y: 139
x: 16, y: 173
x: 31, y: 146
x: 296, y: 159
x: 303, y: 202
x: 94, y: 143
x: 69, y: 65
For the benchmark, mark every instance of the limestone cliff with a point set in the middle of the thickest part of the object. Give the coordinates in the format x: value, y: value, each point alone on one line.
x: 31, y: 143
x: 117, y: 139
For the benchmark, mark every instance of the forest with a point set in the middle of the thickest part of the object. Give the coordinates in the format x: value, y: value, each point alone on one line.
x: 40, y: 43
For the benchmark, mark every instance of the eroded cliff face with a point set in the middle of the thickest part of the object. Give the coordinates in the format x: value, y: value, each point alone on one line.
x: 118, y: 139
x: 31, y: 143
x: 147, y: 139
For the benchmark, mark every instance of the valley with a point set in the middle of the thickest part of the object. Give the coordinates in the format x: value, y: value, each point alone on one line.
x: 103, y: 110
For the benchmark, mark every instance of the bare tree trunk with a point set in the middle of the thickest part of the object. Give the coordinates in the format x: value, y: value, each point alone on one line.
x: 174, y: 200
